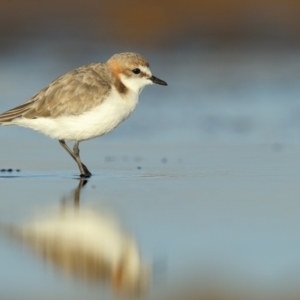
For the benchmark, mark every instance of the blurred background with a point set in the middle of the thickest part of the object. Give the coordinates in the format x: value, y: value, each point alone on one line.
x: 233, y: 72
x: 155, y: 24
x: 232, y: 66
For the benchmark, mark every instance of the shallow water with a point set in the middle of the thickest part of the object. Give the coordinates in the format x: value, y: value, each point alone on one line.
x: 204, y: 175
x: 195, y: 209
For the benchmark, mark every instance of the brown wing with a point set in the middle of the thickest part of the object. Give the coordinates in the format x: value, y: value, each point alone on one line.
x: 71, y: 94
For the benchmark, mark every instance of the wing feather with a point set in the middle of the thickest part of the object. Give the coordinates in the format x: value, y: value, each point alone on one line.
x: 71, y: 94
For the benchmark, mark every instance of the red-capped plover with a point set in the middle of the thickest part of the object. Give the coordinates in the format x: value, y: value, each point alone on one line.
x: 85, y: 103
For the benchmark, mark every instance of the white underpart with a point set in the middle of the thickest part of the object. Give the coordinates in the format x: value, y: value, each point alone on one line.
x: 95, y: 122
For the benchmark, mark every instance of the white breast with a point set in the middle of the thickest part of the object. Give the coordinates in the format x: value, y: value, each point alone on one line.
x: 90, y: 124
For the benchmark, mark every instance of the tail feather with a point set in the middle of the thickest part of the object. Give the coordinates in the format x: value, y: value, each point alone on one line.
x: 14, y: 113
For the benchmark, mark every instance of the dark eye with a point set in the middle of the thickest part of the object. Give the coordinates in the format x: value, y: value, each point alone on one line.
x: 136, y: 71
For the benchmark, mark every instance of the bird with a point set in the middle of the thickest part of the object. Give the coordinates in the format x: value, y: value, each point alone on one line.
x: 86, y: 102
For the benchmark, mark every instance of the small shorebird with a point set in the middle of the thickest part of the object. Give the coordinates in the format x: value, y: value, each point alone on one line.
x: 85, y: 103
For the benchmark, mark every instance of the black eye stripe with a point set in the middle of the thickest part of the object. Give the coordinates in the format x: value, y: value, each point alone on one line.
x: 136, y: 71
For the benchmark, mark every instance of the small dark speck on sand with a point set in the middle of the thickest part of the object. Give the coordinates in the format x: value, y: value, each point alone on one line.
x: 109, y: 158
x: 139, y: 167
x: 9, y: 170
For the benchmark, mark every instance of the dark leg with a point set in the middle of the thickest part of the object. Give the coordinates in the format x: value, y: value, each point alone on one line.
x: 75, y: 155
x: 86, y: 172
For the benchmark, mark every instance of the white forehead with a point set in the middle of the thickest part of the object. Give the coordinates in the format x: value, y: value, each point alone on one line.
x: 145, y: 70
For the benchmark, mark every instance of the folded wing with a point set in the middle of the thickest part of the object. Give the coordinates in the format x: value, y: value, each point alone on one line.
x: 71, y: 94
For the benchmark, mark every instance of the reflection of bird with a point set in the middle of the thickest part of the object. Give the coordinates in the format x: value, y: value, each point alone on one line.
x: 87, y: 245
x: 85, y: 103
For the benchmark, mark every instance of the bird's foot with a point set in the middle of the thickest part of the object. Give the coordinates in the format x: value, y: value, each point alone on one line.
x: 86, y: 175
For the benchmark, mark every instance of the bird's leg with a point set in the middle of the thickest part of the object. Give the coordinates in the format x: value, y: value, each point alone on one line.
x: 83, y: 169
x: 65, y: 146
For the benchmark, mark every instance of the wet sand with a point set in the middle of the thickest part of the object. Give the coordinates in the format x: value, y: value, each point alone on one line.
x: 191, y: 209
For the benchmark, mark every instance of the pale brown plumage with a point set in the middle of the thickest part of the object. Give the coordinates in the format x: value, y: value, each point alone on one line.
x: 85, y: 103
x: 79, y: 90
x: 76, y: 91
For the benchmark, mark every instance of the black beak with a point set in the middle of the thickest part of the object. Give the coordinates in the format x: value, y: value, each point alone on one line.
x: 157, y: 80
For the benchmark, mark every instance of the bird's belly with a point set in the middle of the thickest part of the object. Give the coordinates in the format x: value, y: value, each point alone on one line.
x: 95, y: 122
